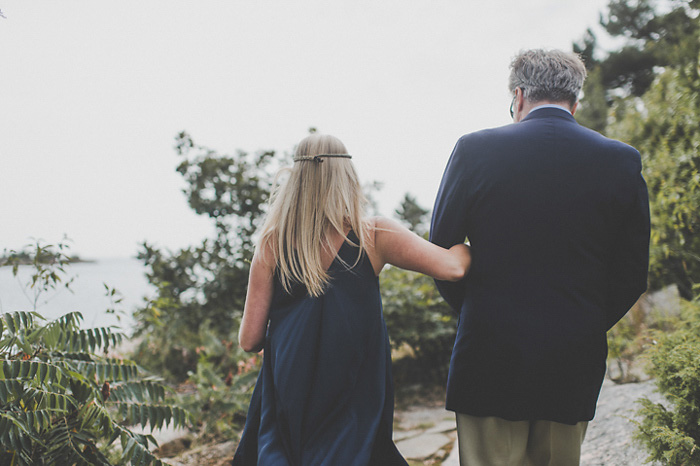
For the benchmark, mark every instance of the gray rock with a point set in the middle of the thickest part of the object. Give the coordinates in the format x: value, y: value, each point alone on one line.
x: 400, y: 435
x: 664, y: 302
x: 610, y: 436
x: 423, y: 446
x: 446, y: 425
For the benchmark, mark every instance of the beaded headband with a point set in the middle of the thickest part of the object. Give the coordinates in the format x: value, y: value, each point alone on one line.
x: 319, y: 159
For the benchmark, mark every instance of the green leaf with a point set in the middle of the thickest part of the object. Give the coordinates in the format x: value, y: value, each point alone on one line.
x: 10, y: 323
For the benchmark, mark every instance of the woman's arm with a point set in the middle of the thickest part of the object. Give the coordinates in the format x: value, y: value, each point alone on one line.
x: 251, y: 336
x: 396, y: 245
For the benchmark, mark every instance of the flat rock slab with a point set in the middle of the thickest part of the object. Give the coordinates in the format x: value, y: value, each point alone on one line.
x: 447, y: 425
x: 400, y: 435
x: 422, y: 418
x: 423, y: 446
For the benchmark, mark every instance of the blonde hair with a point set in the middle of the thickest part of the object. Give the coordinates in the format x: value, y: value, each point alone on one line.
x: 320, y: 198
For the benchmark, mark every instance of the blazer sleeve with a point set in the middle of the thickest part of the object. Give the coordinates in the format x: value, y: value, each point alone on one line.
x: 449, y: 221
x: 630, y: 263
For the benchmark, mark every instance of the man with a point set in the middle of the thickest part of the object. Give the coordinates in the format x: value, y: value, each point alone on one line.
x: 558, y: 220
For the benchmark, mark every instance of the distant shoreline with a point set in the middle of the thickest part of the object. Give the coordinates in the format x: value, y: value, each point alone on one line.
x: 23, y: 259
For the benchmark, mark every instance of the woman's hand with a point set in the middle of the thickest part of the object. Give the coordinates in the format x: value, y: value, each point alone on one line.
x: 463, y: 255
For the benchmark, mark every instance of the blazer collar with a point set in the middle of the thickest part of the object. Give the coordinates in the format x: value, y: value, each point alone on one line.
x: 549, y: 112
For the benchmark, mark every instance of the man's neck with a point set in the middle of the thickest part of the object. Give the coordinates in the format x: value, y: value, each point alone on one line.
x: 530, y: 106
x: 561, y: 107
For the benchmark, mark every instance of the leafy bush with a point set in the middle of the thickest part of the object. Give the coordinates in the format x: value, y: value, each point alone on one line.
x: 63, y: 398
x: 203, y: 287
x: 630, y: 337
x: 626, y: 341
x: 421, y: 324
x: 420, y: 320
x: 671, y: 431
x: 219, y: 391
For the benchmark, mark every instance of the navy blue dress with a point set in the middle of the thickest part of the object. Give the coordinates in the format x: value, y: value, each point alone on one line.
x: 324, y: 395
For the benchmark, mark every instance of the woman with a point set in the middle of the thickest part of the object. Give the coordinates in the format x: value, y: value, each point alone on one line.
x: 324, y: 395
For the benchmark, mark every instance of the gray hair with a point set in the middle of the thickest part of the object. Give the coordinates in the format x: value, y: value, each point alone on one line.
x: 551, y: 75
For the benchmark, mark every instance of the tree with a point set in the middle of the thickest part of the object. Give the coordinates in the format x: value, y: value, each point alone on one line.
x: 412, y: 215
x: 663, y: 126
x: 594, y: 106
x: 652, y: 41
x: 202, y: 288
x: 646, y: 94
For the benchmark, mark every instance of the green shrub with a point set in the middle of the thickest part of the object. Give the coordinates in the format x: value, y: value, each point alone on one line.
x: 220, y: 388
x: 671, y: 431
x: 422, y: 326
x: 63, y: 399
x: 420, y: 322
x: 630, y: 337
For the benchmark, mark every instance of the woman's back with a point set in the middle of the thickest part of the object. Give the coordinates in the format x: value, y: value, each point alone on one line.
x: 325, y: 393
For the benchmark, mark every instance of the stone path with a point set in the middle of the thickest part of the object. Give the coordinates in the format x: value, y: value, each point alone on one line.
x: 609, y: 439
x: 426, y: 435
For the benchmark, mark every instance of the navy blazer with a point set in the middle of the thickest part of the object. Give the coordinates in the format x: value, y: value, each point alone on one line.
x: 558, y: 220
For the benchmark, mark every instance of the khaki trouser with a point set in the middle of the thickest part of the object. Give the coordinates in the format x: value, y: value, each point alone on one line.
x: 492, y: 441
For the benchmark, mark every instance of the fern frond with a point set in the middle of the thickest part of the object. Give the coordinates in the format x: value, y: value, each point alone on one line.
x: 15, y: 434
x: 96, y: 414
x: 140, y: 391
x: 135, y: 448
x: 73, y: 356
x: 38, y: 371
x: 69, y: 320
x: 114, y: 369
x: 51, y: 332
x: 68, y: 445
x: 156, y: 416
x: 11, y: 389
x: 19, y: 320
x: 6, y: 419
x: 53, y: 401
x: 90, y: 340
x: 36, y: 420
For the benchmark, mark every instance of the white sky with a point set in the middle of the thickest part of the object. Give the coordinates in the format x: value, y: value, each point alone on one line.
x: 92, y: 94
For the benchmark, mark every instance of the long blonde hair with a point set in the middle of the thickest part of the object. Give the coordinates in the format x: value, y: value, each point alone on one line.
x: 320, y: 199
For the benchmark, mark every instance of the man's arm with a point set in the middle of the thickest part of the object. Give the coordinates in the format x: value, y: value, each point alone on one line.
x: 449, y: 222
x: 630, y: 265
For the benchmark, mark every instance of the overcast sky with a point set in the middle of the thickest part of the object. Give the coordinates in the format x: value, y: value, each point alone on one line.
x: 92, y: 94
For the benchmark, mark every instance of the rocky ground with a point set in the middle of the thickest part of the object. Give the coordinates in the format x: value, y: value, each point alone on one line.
x: 426, y: 435
x: 609, y: 439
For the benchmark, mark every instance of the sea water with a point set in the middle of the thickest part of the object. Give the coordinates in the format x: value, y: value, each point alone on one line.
x: 87, y: 292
